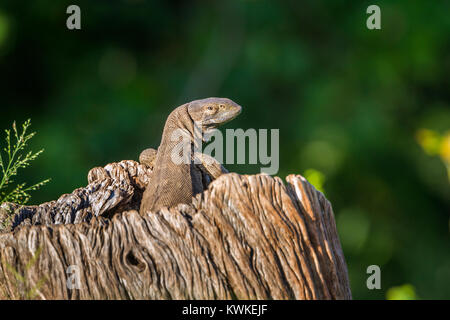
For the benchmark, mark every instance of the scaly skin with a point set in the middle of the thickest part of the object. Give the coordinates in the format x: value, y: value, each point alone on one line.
x: 172, y: 183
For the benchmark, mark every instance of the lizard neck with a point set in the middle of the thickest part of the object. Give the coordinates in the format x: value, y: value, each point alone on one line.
x: 180, y: 123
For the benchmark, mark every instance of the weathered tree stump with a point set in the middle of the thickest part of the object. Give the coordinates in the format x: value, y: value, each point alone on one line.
x: 245, y: 237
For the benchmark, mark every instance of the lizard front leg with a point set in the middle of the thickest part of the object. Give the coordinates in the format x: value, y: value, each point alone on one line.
x: 209, y: 165
x: 148, y: 157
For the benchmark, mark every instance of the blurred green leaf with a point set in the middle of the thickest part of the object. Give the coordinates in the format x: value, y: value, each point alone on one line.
x: 4, y: 28
x: 316, y: 178
x: 403, y: 292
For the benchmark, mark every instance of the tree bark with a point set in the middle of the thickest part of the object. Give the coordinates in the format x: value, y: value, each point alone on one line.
x: 245, y: 237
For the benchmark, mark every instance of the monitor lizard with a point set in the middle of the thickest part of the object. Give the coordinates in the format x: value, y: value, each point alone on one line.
x: 188, y: 125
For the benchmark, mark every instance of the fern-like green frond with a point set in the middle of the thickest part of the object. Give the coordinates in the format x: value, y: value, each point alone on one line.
x: 16, y: 158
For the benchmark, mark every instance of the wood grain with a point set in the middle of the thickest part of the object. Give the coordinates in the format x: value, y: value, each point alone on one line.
x: 245, y: 237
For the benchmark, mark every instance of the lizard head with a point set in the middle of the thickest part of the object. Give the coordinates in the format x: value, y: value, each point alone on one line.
x: 212, y: 112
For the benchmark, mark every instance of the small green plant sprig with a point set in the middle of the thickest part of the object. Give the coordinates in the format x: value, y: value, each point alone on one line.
x: 16, y: 159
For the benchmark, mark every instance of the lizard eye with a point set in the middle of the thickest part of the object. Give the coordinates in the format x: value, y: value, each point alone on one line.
x: 222, y: 106
x: 210, y: 108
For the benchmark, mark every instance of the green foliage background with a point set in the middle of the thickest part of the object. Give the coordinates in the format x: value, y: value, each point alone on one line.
x: 349, y: 103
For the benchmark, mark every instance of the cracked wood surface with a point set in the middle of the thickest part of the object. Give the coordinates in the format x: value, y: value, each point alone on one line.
x: 112, y: 189
x: 245, y: 237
